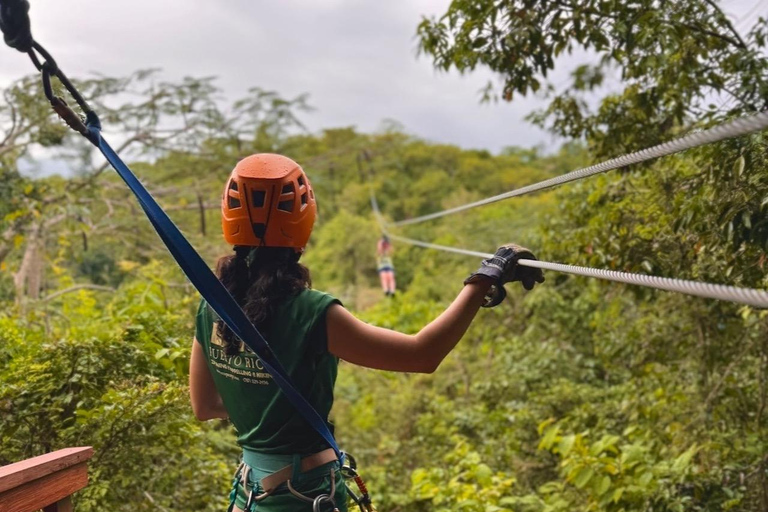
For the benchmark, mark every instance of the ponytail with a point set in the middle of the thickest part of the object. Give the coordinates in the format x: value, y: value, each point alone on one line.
x: 259, y: 278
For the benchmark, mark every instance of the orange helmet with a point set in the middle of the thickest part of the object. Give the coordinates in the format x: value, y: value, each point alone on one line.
x: 268, y: 202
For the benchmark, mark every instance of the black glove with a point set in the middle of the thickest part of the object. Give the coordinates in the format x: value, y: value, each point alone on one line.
x: 503, y: 268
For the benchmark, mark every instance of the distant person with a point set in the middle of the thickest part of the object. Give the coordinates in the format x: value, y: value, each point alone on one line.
x: 385, y: 266
x: 268, y: 211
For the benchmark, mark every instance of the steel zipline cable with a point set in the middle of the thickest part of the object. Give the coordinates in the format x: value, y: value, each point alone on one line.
x: 728, y: 130
x: 747, y: 296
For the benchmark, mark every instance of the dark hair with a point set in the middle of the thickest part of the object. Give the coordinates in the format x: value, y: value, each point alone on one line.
x: 259, y: 281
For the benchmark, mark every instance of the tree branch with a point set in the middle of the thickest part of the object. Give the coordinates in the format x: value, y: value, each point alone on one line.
x: 712, y: 33
x: 77, y: 287
x: 741, y: 44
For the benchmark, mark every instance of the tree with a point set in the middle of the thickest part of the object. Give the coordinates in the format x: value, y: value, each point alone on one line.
x: 700, y: 215
x: 184, y: 119
x: 674, y: 61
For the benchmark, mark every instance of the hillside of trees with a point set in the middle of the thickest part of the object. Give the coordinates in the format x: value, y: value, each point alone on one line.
x: 579, y: 395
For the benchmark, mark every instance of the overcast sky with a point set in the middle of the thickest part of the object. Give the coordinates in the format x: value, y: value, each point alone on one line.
x: 356, y: 58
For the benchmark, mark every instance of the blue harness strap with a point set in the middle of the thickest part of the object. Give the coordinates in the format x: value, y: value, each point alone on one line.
x: 209, y: 286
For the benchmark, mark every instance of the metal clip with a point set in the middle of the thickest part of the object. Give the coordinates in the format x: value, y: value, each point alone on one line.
x: 322, y: 499
x: 250, y: 501
x: 69, y: 116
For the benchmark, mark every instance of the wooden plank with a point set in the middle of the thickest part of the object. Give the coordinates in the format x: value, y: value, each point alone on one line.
x: 14, y: 475
x: 64, y: 505
x: 45, y: 491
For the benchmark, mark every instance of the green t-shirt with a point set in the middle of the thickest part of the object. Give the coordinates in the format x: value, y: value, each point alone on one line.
x: 264, y: 418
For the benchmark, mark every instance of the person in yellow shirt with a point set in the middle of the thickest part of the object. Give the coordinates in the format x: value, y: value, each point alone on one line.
x: 385, y: 267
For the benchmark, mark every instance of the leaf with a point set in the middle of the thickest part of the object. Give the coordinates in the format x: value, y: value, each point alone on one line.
x: 645, y: 479
x: 684, y: 460
x: 604, y: 483
x: 583, y: 477
x: 565, y: 445
x: 738, y: 166
x: 483, y: 473
x: 544, y: 424
x: 746, y: 219
x: 631, y: 455
x: 549, y: 438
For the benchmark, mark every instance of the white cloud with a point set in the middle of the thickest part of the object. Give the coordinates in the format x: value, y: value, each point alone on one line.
x: 356, y: 58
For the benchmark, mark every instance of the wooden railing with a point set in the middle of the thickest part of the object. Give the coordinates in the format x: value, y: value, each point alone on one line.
x: 46, y: 482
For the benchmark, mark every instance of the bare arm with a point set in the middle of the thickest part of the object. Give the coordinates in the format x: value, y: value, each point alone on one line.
x: 366, y: 345
x: 206, y: 402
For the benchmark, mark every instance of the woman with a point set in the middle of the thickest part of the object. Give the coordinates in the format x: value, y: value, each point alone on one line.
x: 268, y: 210
x: 385, y: 266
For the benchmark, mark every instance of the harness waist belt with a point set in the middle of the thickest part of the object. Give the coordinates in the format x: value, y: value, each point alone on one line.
x: 308, y: 463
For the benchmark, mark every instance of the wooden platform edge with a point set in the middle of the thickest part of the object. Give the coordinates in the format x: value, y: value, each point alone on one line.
x: 25, y: 471
x: 46, y: 492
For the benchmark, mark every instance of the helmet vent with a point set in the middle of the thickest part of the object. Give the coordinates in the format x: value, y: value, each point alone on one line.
x: 285, y: 206
x: 233, y: 185
x: 303, y: 198
x: 301, y: 181
x: 287, y: 189
x: 233, y: 202
x: 257, y: 198
x: 259, y: 228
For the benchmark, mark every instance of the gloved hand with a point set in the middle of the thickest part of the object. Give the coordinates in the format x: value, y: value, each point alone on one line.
x: 503, y: 268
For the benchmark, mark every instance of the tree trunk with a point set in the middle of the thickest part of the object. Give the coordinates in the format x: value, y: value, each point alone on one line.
x: 28, y: 279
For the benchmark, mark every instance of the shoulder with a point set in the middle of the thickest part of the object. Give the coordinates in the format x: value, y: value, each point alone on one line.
x: 313, y: 306
x: 204, y: 320
x: 309, y: 299
x: 202, y: 307
x: 204, y: 312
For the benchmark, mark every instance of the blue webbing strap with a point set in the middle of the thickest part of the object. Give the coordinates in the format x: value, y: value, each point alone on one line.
x: 209, y: 286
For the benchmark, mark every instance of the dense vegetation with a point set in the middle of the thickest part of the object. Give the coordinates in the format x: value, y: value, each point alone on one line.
x: 580, y: 395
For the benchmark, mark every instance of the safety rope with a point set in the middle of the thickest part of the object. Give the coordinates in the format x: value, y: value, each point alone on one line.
x: 748, y: 296
x: 729, y: 130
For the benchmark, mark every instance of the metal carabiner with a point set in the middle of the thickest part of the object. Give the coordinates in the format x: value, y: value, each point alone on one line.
x: 322, y: 499
x: 249, y: 502
x: 349, y: 468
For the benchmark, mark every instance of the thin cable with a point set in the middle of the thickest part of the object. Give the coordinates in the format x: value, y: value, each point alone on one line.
x: 748, y: 296
x: 730, y: 130
x: 377, y: 213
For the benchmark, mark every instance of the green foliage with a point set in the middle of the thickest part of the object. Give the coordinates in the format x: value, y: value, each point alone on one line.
x: 111, y: 376
x: 99, y: 268
x: 671, y: 58
x: 581, y: 395
x: 468, y: 485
